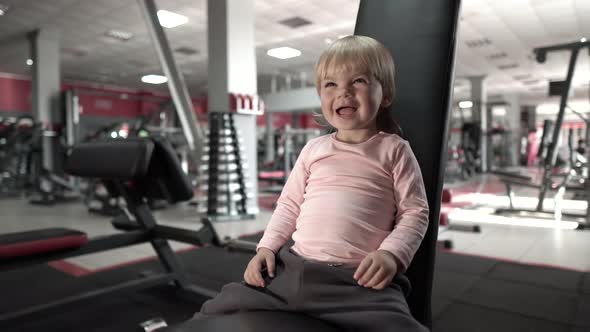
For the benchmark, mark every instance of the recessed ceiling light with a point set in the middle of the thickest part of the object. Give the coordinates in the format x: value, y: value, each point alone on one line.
x: 29, y: 62
x: 583, y: 40
x: 295, y: 22
x: 283, y: 52
x: 119, y: 34
x: 170, y: 20
x: 154, y: 79
x: 4, y: 9
x: 465, y: 104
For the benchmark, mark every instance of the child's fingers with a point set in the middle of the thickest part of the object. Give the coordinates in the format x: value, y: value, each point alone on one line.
x: 383, y: 284
x: 250, y: 278
x: 369, y: 274
x: 377, y: 278
x: 360, y: 271
x: 256, y: 278
x: 270, y: 266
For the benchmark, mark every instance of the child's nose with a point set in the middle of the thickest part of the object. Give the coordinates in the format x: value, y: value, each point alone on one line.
x: 345, y: 91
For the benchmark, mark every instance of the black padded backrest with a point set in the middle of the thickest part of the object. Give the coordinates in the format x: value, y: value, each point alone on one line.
x: 149, y: 165
x: 421, y: 36
x: 165, y: 178
x: 111, y: 159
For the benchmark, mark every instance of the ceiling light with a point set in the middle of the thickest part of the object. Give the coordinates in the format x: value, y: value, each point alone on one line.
x: 154, y: 79
x: 283, y: 52
x: 4, y: 9
x: 29, y: 62
x: 583, y: 40
x: 465, y: 104
x: 170, y: 20
x: 119, y: 34
x: 295, y: 22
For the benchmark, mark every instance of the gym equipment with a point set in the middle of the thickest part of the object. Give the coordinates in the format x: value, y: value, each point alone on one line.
x: 292, y: 145
x: 141, y: 169
x: 426, y: 61
x: 549, y: 151
x: 228, y: 191
x: 15, y: 163
x: 50, y: 146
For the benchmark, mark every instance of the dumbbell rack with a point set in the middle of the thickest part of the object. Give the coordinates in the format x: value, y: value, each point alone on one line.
x: 223, y: 181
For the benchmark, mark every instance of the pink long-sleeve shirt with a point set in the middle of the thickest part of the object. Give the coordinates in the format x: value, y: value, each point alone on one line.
x: 343, y: 201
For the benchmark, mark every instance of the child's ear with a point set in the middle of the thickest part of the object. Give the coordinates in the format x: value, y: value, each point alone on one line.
x: 385, y: 102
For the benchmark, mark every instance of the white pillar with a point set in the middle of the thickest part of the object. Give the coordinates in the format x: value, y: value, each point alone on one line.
x: 513, y: 110
x: 482, y: 114
x: 232, y: 68
x: 45, y: 96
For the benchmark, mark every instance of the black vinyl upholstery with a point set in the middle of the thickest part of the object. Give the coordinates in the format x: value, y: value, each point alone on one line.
x: 111, y: 159
x: 421, y: 35
x: 149, y: 165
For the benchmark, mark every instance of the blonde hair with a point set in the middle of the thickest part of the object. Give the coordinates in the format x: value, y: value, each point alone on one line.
x: 364, y: 54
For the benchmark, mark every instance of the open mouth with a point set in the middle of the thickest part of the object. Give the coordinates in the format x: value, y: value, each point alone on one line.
x: 345, y: 110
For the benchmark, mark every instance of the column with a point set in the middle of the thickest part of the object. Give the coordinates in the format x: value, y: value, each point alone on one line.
x: 45, y: 94
x: 269, y: 152
x: 513, y: 110
x: 482, y: 114
x: 232, y: 68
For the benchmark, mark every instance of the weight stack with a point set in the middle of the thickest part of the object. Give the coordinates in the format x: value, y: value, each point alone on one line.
x: 224, y: 182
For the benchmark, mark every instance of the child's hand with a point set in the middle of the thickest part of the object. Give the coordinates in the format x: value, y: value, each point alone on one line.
x: 264, y: 258
x: 376, y: 270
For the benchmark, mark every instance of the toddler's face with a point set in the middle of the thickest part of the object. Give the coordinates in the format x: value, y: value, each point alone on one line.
x: 350, y: 98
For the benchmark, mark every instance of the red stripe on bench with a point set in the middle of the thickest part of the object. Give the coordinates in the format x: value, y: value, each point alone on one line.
x: 42, y: 246
x: 69, y: 268
x: 75, y: 270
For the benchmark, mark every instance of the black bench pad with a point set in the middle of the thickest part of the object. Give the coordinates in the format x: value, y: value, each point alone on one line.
x: 111, y: 159
x: 255, y: 321
x: 512, y: 176
x: 13, y: 245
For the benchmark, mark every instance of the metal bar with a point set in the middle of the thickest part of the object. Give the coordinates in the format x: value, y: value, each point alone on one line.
x: 129, y: 286
x: 138, y: 207
x: 510, y: 194
x: 201, y: 237
x: 241, y: 245
x: 176, y: 84
x: 552, y: 150
x: 567, y: 46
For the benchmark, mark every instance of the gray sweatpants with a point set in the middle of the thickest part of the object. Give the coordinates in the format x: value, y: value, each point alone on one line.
x: 325, y: 291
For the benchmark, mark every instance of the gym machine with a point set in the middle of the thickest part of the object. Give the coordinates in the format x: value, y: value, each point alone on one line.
x: 50, y: 147
x: 291, y: 150
x: 141, y: 169
x: 550, y: 155
x: 420, y: 63
x: 16, y: 134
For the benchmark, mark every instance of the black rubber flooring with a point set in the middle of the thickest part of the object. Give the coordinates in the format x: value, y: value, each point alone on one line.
x: 470, y: 294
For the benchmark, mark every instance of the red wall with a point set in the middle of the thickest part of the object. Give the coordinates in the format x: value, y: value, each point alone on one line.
x: 15, y: 96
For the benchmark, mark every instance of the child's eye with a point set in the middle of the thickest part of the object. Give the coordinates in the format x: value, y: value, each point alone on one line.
x: 360, y: 80
x: 329, y: 84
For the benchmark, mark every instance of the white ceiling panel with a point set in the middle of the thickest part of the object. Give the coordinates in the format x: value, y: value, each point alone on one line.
x: 493, y: 36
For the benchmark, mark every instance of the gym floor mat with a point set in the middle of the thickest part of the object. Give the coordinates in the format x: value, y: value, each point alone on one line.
x: 470, y: 294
